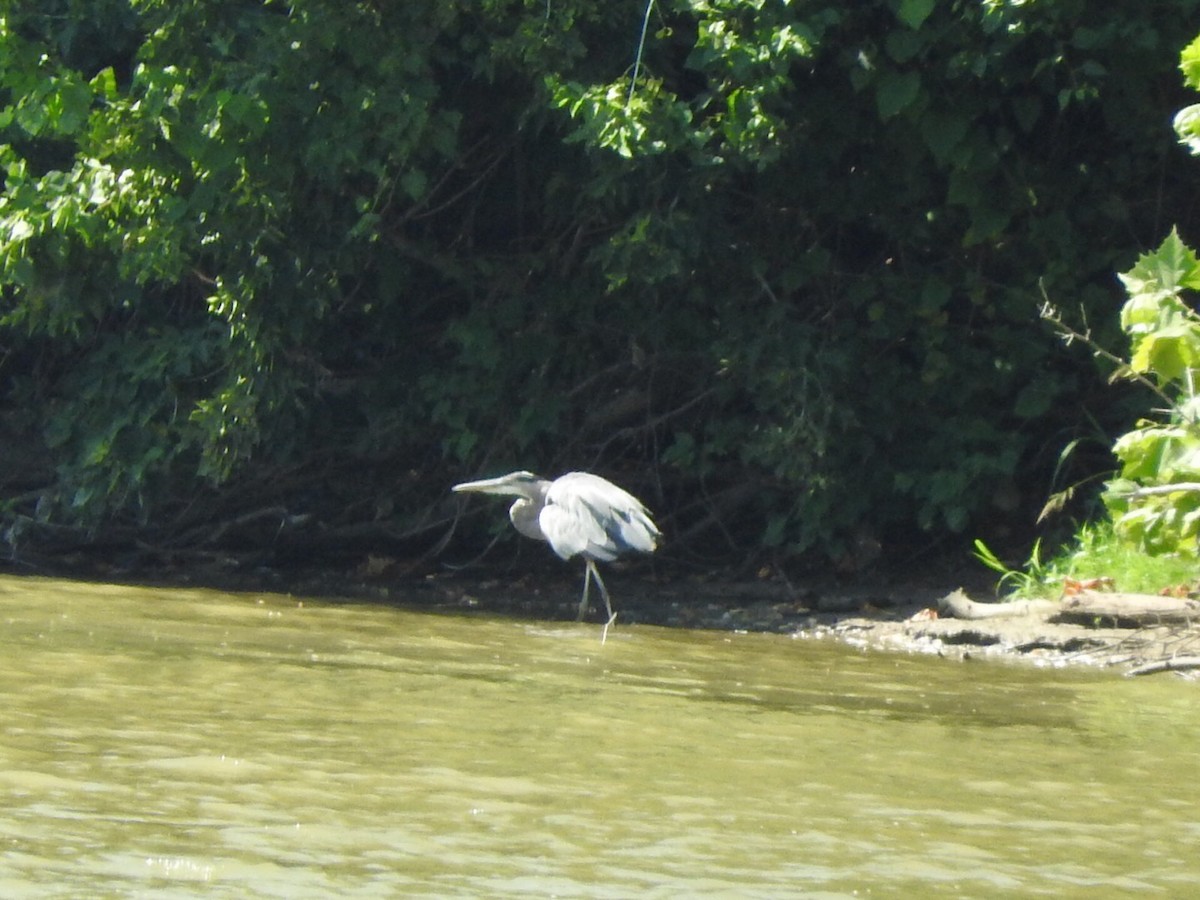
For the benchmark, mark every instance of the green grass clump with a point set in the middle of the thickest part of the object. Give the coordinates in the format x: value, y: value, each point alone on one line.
x: 1095, y: 552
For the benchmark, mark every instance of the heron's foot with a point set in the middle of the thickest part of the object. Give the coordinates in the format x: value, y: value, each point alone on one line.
x: 604, y: 634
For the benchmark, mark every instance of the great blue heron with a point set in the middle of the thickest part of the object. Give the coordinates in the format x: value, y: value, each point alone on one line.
x: 577, y: 514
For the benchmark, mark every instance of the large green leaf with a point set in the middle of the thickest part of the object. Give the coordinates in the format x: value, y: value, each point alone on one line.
x: 1189, y: 63
x: 1168, y: 269
x: 896, y: 92
x: 913, y: 13
x: 1169, y: 352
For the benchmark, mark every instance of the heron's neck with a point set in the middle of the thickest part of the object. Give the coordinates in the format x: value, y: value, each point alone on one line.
x: 524, y: 515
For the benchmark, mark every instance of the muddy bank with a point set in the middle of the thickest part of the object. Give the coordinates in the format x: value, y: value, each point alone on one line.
x: 906, y: 617
x: 1034, y: 638
x: 883, y: 613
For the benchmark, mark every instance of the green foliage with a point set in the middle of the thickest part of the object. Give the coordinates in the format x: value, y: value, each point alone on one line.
x: 937, y: 262
x: 789, y: 274
x: 1099, y: 552
x: 115, y: 419
x: 1095, y: 552
x: 190, y: 203
x: 1030, y: 580
x: 1164, y: 333
x: 1154, y: 501
x: 1155, y: 311
x: 1187, y: 120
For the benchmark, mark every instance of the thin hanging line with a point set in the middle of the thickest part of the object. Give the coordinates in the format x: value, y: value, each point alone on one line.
x: 637, y: 62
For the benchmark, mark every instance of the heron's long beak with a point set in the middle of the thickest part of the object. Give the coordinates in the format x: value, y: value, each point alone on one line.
x: 501, y: 485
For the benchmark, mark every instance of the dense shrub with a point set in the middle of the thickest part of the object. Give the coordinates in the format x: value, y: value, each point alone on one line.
x: 316, y: 259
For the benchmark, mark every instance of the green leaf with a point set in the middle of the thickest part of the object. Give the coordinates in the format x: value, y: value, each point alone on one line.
x: 1169, y: 352
x: 1189, y: 63
x: 896, y: 92
x: 104, y: 83
x: 1033, y: 401
x: 414, y: 183
x: 943, y: 133
x: 913, y: 13
x: 73, y: 104
x: 1187, y: 128
x: 1168, y: 269
x: 903, y: 46
x: 1144, y: 452
x: 1027, y: 110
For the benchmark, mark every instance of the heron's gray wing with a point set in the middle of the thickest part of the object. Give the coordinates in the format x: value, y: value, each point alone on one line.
x: 587, y: 514
x: 572, y: 530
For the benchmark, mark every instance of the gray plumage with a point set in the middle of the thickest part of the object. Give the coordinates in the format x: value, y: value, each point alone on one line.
x: 578, y: 514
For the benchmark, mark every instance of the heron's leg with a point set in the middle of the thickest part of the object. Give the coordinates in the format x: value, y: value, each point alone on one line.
x: 603, y: 590
x: 587, y: 581
x: 607, y: 625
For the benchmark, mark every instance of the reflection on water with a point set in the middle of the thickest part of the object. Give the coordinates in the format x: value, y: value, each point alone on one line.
x: 188, y: 743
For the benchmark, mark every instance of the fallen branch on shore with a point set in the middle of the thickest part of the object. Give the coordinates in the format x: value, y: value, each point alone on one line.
x: 1122, y: 608
x: 1171, y: 664
x: 958, y: 605
x: 1146, y: 633
x: 1085, y: 608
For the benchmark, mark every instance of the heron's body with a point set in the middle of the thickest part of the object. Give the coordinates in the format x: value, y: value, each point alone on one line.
x: 578, y: 514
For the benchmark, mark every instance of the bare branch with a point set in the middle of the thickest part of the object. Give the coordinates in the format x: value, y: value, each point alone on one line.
x: 1049, y: 313
x: 1179, y: 487
x: 1171, y: 664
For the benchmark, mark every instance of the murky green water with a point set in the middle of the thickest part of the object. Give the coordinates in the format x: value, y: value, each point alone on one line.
x: 192, y: 744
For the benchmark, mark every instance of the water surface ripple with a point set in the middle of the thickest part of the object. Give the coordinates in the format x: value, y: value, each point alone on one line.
x: 175, y: 743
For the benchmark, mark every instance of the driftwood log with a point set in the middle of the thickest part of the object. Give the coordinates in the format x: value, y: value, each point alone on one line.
x: 1147, y: 632
x: 1085, y: 608
x: 1127, y: 609
x: 957, y: 605
x: 1170, y: 664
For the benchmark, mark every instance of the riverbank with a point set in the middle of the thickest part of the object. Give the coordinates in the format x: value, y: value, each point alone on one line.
x: 885, y: 613
x: 902, y: 615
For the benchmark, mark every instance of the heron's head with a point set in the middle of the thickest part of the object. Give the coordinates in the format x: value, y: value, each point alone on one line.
x: 515, y: 484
